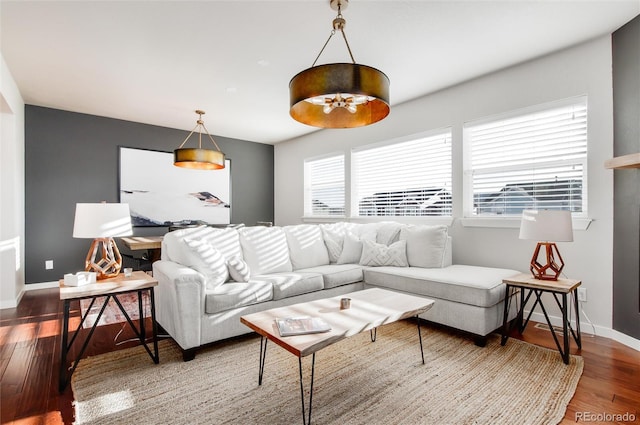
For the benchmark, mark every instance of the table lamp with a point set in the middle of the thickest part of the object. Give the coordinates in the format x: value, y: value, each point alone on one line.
x: 102, y: 222
x: 549, y: 226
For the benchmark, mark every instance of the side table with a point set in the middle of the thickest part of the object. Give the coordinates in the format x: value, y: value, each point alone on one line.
x: 528, y: 285
x: 110, y: 289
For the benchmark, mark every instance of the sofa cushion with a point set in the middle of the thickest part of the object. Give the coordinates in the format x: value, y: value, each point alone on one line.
x: 208, y: 261
x: 425, y: 245
x: 335, y: 275
x: 265, y: 249
x: 237, y: 294
x: 351, y: 250
x: 474, y: 285
x: 367, y: 231
x: 306, y: 246
x: 239, y: 270
x: 378, y: 254
x: 388, y: 232
x: 333, y: 240
x: 290, y: 284
x: 224, y: 240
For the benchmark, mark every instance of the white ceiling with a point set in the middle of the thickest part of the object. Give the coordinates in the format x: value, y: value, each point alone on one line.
x: 155, y: 62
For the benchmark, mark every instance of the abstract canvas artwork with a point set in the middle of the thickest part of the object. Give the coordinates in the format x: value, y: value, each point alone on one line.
x: 161, y: 194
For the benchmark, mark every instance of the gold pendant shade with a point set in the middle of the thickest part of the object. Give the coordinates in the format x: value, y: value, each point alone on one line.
x: 339, y: 95
x: 199, y: 158
x: 349, y: 79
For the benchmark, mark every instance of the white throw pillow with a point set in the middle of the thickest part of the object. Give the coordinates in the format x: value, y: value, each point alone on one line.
x: 306, y: 246
x: 377, y: 254
x: 351, y: 250
x: 425, y: 245
x: 211, y: 263
x: 265, y: 249
x: 239, y: 270
x: 333, y: 241
x: 388, y: 232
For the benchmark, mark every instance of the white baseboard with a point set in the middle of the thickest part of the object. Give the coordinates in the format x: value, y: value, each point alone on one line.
x: 42, y: 285
x: 586, y: 328
x: 11, y: 303
x: 30, y: 287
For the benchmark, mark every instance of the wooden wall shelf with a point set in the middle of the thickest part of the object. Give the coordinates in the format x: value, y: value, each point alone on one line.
x: 625, y: 161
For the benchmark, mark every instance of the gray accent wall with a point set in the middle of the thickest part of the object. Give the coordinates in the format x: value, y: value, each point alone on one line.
x: 626, y: 212
x: 72, y: 157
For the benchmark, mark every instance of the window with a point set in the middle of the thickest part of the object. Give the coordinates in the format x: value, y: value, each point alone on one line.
x: 324, y: 186
x: 534, y: 160
x: 411, y: 177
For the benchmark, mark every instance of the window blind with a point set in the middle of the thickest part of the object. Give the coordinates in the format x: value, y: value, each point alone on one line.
x: 324, y: 186
x: 407, y: 178
x: 530, y: 161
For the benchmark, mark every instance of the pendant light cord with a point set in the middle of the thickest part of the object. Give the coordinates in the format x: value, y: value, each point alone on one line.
x: 338, y: 24
x: 200, y: 125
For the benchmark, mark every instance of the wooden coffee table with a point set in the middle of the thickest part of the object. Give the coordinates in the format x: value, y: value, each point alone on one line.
x: 369, y: 309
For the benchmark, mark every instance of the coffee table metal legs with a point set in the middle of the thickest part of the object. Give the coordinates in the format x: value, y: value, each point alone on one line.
x: 306, y: 420
x: 306, y: 415
x: 420, y: 338
x: 263, y: 355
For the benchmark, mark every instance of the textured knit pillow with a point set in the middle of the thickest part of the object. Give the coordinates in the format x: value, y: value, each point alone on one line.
x: 377, y: 254
x: 239, y: 270
x: 210, y: 263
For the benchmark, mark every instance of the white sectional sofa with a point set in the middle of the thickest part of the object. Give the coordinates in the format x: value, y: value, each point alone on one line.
x: 209, y: 277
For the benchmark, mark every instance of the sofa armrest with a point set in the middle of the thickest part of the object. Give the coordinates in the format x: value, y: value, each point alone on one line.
x: 180, y: 301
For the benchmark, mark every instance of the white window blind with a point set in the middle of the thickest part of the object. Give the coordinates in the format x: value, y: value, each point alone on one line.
x: 535, y: 160
x: 407, y: 178
x: 324, y: 186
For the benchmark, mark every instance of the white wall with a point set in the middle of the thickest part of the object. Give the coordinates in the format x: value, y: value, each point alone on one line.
x: 583, y: 69
x: 11, y: 190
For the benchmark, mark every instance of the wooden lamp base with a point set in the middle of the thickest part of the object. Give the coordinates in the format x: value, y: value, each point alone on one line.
x: 550, y: 270
x: 110, y: 261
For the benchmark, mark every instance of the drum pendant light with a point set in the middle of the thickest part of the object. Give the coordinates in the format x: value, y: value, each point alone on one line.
x: 199, y: 158
x: 339, y: 95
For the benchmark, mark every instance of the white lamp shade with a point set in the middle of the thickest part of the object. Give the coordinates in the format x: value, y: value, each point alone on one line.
x: 546, y: 225
x: 102, y: 221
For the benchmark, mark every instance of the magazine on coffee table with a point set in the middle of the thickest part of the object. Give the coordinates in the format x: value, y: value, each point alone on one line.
x: 301, y: 325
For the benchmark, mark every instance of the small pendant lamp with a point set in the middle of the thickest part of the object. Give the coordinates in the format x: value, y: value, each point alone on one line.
x: 199, y: 158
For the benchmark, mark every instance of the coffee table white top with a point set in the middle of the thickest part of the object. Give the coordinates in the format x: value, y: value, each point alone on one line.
x: 369, y: 309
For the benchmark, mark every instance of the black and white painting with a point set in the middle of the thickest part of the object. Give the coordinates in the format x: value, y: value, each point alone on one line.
x: 161, y: 194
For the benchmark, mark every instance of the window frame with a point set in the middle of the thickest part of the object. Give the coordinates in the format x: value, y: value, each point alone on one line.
x: 307, y: 207
x: 354, y: 207
x: 469, y: 219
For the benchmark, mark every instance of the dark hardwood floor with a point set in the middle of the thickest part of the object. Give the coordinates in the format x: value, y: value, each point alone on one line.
x: 30, y: 350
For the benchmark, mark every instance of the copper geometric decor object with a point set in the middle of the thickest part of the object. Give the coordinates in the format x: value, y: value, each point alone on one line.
x: 110, y: 261
x: 553, y: 263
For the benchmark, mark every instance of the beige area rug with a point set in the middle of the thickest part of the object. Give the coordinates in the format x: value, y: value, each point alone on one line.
x: 356, y: 382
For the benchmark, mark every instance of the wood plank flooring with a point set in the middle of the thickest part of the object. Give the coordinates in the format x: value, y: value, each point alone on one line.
x: 30, y: 350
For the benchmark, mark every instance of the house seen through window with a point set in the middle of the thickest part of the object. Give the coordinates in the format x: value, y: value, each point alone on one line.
x: 411, y: 177
x: 533, y: 160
